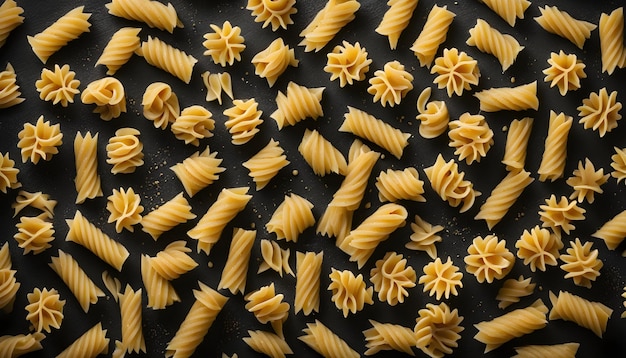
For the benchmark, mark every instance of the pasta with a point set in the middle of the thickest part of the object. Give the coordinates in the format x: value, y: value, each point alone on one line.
x: 173, y: 261
x: 215, y: 84
x: 18, y: 345
x: 124, y: 208
x: 87, y: 180
x: 424, y: 237
x: 348, y: 62
x: 36, y: 200
x: 394, y: 185
x: 268, y: 343
x: 387, y: 337
x: 488, y: 258
x: 108, y: 95
x: 120, y: 48
x: 563, y: 24
x: 8, y: 282
x: 267, y: 306
x: 457, y: 71
x: 9, y: 19
x: 586, y: 181
x: 167, y: 58
x: 198, y: 171
x: 563, y: 350
x: 8, y: 173
x: 364, y: 125
x: 298, y: 103
x: 553, y: 160
x: 86, y: 234
x: 489, y: 40
x: 9, y: 90
x: 34, y: 234
x: 159, y: 290
x: 558, y: 215
x: 587, y: 314
x: 236, y: 268
x: 441, y: 278
x: 518, y: 98
x: 390, y: 84
x: 197, y: 322
x: 243, y: 119
x: 512, y: 290
x: 326, y: 342
x: 510, y: 325
x: 266, y: 163
x: 275, y: 12
x: 273, y: 61
x: 349, y: 292
x: 112, y: 284
x: 291, y: 218
x: 131, y: 317
x: 503, y: 196
x: 65, y: 29
x: 125, y: 151
x: 433, y: 34
x: 450, y: 184
x: 39, y: 141
x: 612, y: 232
x: 538, y: 248
x: 58, y: 86
x: 391, y: 277
x: 209, y: 228
x: 274, y: 258
x: 152, y: 13
x: 437, y: 329
x: 581, y: 263
x: 611, y: 31
x: 90, y: 344
x: 160, y: 104
x: 321, y: 154
x: 508, y: 10
x: 619, y: 164
x: 433, y: 115
x: 600, y: 111
x: 623, y: 315
x: 45, y: 309
x: 327, y: 23
x: 172, y: 213
x: 75, y: 278
x: 517, y: 143
x: 308, y: 271
x: 396, y: 19
x: 565, y: 72
x: 224, y: 44
x: 471, y: 136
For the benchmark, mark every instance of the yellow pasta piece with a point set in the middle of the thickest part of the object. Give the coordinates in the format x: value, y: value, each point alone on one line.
x: 433, y: 34
x: 457, y: 71
x: 108, y: 95
x: 167, y: 58
x: 613, y: 232
x: 36, y: 200
x: 8, y: 282
x: 611, y: 31
x: 508, y: 10
x: 273, y: 61
x: 10, y: 18
x: 433, y: 115
x: 87, y: 179
x: 268, y: 343
x: 34, y: 234
x: 391, y: 277
x: 563, y: 350
x: 291, y: 218
x: 172, y: 213
x: 390, y: 84
x: 153, y: 13
x: 244, y: 117
x: 471, y: 136
x: 45, y: 309
x: 437, y: 329
x: 160, y: 104
x: 552, y: 163
x: 326, y: 342
x: 587, y: 314
x: 327, y: 23
x: 131, y: 321
x: 266, y: 163
x: 488, y: 258
x: 518, y: 98
x: 215, y: 84
x: 83, y: 288
x: 18, y: 345
x: 441, y: 278
x: 512, y: 290
x: 125, y: 151
x: 275, y: 258
x: 348, y: 62
x: 538, y: 248
x: 450, y: 184
x: 321, y: 154
x: 489, y: 40
x: 424, y: 237
x: 173, y: 261
x: 503, y: 196
x: 120, y: 48
x: 581, y: 263
x: 586, y: 181
x: 619, y: 164
x: 198, y: 171
x: 298, y: 103
x: 308, y: 270
x: 565, y: 72
x: 267, y: 306
x: 394, y: 185
x: 396, y: 19
x: 349, y: 292
x: 275, y: 12
x: 159, y: 290
x: 387, y: 337
x: 58, y: 86
x: 558, y: 215
x: 517, y: 144
x: 8, y: 173
x: 39, y: 141
x: 600, y: 111
x: 124, y: 208
x: 563, y: 24
x: 224, y: 44
x: 9, y: 90
x: 90, y: 344
x: 236, y: 268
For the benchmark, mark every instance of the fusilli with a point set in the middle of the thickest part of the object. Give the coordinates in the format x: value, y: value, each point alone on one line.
x: 236, y: 268
x: 120, y: 48
x: 563, y: 24
x: 349, y: 292
x: 153, y: 13
x: 198, y: 171
x: 9, y: 90
x: 555, y: 152
x: 433, y: 115
x: 396, y: 19
x: 193, y: 124
x: 586, y: 181
x: 172, y: 213
x: 508, y: 10
x: 503, y: 196
x: 517, y: 143
x: 424, y: 237
x: 327, y: 23
x: 87, y: 180
x: 10, y: 18
x: 613, y: 232
x: 457, y: 71
x: 266, y: 163
x: 321, y: 154
x: 387, y: 337
x: 558, y: 215
x: 588, y: 314
x: 167, y: 58
x: 433, y: 34
x: 308, y: 271
x: 34, y: 234
x: 83, y: 288
x: 275, y: 12
x: 45, y: 309
x: 298, y: 103
x: 581, y: 263
x: 512, y: 290
x: 326, y: 342
x: 243, y: 119
x: 8, y: 173
x: 449, y: 183
x: 90, y: 344
x: 274, y: 60
x: 291, y: 218
x: 518, y: 98
x: 489, y: 40
x: 488, y: 259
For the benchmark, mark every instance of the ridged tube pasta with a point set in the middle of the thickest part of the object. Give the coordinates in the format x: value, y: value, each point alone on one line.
x: 86, y: 234
x: 308, y: 271
x: 267, y: 306
x: 518, y: 98
x: 503, y: 196
x: 510, y: 325
x: 153, y: 13
x: 275, y: 12
x: 159, y: 290
x: 366, y: 126
x: 588, y: 314
x: 235, y: 270
x: 611, y: 31
x: 87, y: 180
x: 131, y: 321
x: 396, y: 19
x: 321, y: 154
x: 268, y: 343
x: 65, y: 29
x: 394, y: 185
x: 274, y: 60
x: 552, y: 163
x: 18, y: 345
x: 173, y: 261
x: 489, y: 40
x: 613, y: 232
x: 9, y: 19
x: 516, y: 145
x: 172, y: 213
x: 512, y: 290
x: 266, y: 163
x: 325, y: 342
x: 83, y: 288
x: 449, y: 183
x: 563, y: 350
x: 433, y: 34
x: 160, y: 104
x: 327, y: 23
x: 108, y: 95
x: 90, y: 344
x: 9, y: 90
x: 563, y: 24
x: 198, y: 171
x: 125, y: 151
x: 291, y: 218
x: 120, y: 48
x: 352, y: 188
x: 387, y: 337
x: 434, y: 116
x: 243, y: 119
x: 168, y: 58
x: 8, y: 283
x: 508, y: 10
x: 298, y: 103
x: 209, y: 228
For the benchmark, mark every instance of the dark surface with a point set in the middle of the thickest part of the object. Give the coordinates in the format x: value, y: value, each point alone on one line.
x: 156, y: 183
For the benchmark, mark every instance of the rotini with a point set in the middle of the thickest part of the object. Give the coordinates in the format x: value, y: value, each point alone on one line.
x: 8, y: 282
x: 216, y: 84
x: 9, y: 90
x: 558, y: 215
x: 586, y: 181
x: 266, y: 163
x: 563, y: 350
x: 613, y: 232
x: 291, y: 218
x: 243, y: 119
x: 10, y: 18
x: 36, y: 200
x: 18, y: 345
x: 449, y: 183
x: 173, y: 261
x: 268, y: 343
x: 125, y: 151
x: 236, y: 268
x: 224, y: 44
x: 587, y: 314
x: 87, y: 180
x: 489, y: 40
x: 172, y: 213
x: 441, y: 278
x: 152, y: 13
x: 538, y: 248
x: 512, y: 290
x: 503, y: 196
x: 307, y: 292
x: 392, y: 277
x: 159, y: 290
x: 433, y: 34
x: 34, y: 234
x: 321, y: 154
x: 167, y: 58
x: 39, y: 141
x: 563, y: 24
x: 58, y: 86
x: 325, y: 342
x: 120, y: 48
x: 424, y: 237
x: 516, y: 145
x: 600, y: 111
x: 160, y: 104
x: 298, y: 103
x: 275, y: 12
x: 268, y: 307
x: 552, y: 163
x: 90, y: 344
x: 619, y: 164
x: 433, y: 116
x: 394, y: 185
x: 347, y: 62
x: 396, y: 19
x: 457, y: 71
x: 108, y: 95
x: 387, y: 337
x: 274, y: 60
x: 611, y: 31
x: 437, y: 329
x: 508, y: 10
x: 327, y: 23
x: 45, y: 309
x: 83, y: 288
x: 488, y: 259
x: 471, y: 137
x: 198, y: 171
x: 518, y: 98
x: 131, y: 321
x: 581, y: 263
x: 124, y: 207
x: 349, y: 292
x: 390, y: 84
x: 274, y: 258
x: 565, y: 72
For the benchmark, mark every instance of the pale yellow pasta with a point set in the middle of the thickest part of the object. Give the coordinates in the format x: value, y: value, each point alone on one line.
x: 441, y: 278
x: 268, y: 343
x: 108, y: 95
x: 611, y: 31
x: 565, y: 72
x: 215, y: 84
x: 38, y: 200
x: 90, y: 344
x: 34, y: 234
x: 243, y: 119
x: 581, y: 263
x: 395, y: 185
x: 45, y: 309
x: 87, y: 181
x: 471, y: 137
x: 275, y: 12
x: 131, y: 321
x: 153, y: 13
x: 336, y: 222
x: 273, y: 61
x: 8, y: 173
x: 39, y: 141
x: 450, y: 184
x: 325, y: 342
x: 120, y: 48
x: 433, y: 34
x: 167, y: 58
x: 488, y: 259
x: 392, y: 277
x: 266, y: 163
x: 58, y: 86
x: 586, y: 181
x: 9, y: 90
x: 75, y: 278
x: 510, y: 325
x: 516, y: 145
x: 298, y: 103
x: 433, y: 115
x: 437, y: 329
x: 623, y: 315
x: 159, y: 290
x: 508, y: 10
x: 209, y: 228
x: 321, y: 154
x: 619, y: 164
x: 10, y: 18
x: 538, y: 248
x: 235, y: 270
x: 65, y: 29
x: 160, y: 104
x: 291, y: 218
x: 349, y: 292
x: 224, y: 44
x: 327, y: 23
x: 124, y: 207
x: 587, y: 314
x: 557, y: 215
x: 563, y: 24
x: 198, y: 171
x: 600, y: 111
x: 170, y: 214
x: 268, y: 307
x: 396, y: 19
x: 18, y: 345
x: 489, y: 40
x: 387, y: 337
x: 307, y: 292
x: 8, y: 282
x: 347, y: 62
x: 519, y: 98
x: 86, y: 234
x: 173, y: 261
x: 457, y: 71
x: 125, y: 151
x: 503, y: 196
x: 563, y: 350
x: 512, y: 290
x: 424, y: 237
x: 613, y: 232
x: 275, y: 258
x: 555, y: 149
x: 112, y: 284
x: 390, y: 84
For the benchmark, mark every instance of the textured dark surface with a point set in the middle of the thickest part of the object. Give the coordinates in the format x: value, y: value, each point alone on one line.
x: 156, y: 183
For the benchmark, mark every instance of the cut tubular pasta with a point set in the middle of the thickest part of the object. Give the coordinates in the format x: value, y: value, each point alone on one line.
x: 298, y: 103
x: 291, y: 218
x: 449, y: 183
x: 168, y: 58
x: 125, y: 151
x: 224, y: 44
x: 9, y: 19
x: 565, y: 72
x: 563, y: 350
x: 433, y: 34
x: 198, y: 171
x: 274, y: 60
x: 563, y: 24
x: 489, y: 40
x: 508, y: 10
x: 9, y: 90
x: 555, y: 152
x: 173, y: 261
x: 18, y: 345
x: 613, y: 232
x: 471, y: 136
x: 274, y: 258
x: 266, y: 163
x: 90, y: 344
x: 326, y: 342
x: 516, y: 145
x: 160, y: 104
x: 394, y: 185
x: 108, y: 95
x: 132, y: 332
x: 159, y: 290
x: 153, y: 13
x: 243, y: 119
x: 120, y: 48
x: 457, y: 71
x: 396, y: 19
x: 327, y: 23
x: 236, y: 268
x: 275, y: 12
x: 390, y: 84
x: 321, y: 154
x: 8, y: 282
x: 268, y: 343
x: 193, y: 124
x: 503, y: 196
x: 87, y: 179
x: 512, y: 290
x: 83, y: 288
x: 611, y: 31
x: 387, y: 337
x: 349, y: 292
x: 433, y: 115
x: 34, y: 234
x: 348, y: 62
x: 588, y: 314
x: 600, y: 111
x: 437, y: 329
x: 518, y: 98
x: 308, y: 271
x: 172, y: 213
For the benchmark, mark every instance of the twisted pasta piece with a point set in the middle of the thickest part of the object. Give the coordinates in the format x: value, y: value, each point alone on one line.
x: 327, y: 23
x: 388, y: 337
x: 390, y: 84
x: 581, y: 263
x: 563, y: 24
x: 160, y: 104
x: 120, y: 48
x: 227, y: 205
x: 90, y: 344
x: 326, y: 342
x: 174, y: 212
x: 308, y: 270
x: 108, y: 95
x: 433, y: 115
x: 9, y: 90
x: 518, y: 98
x: 424, y: 237
x: 224, y: 44
x: 565, y: 72
x: 87, y: 180
x: 394, y: 185
x: 173, y: 261
x: 600, y: 111
x: 449, y: 183
x: 488, y: 258
x: 159, y: 290
x: 298, y: 103
x: 347, y: 62
x: 59, y: 86
x: 611, y: 31
x: 538, y: 248
x: 45, y: 309
x: 396, y: 19
x: 198, y: 171
x: 36, y: 200
x: 9, y: 19
x: 503, y: 196
x: 457, y: 71
x: 433, y: 34
x: 268, y: 343
x: 65, y: 29
x: 391, y: 277
x: 512, y: 290
x: 167, y: 58
x: 563, y: 350
x: 18, y: 345
x: 215, y: 84
x: 558, y: 215
x: 8, y: 173
x: 130, y: 314
x: 586, y: 181
x: 236, y: 267
x: 517, y: 143
x: 34, y: 234
x: 267, y: 306
x: 553, y: 160
x: 86, y: 234
x: 587, y: 314
x: 153, y: 13
x: 275, y: 12
x: 437, y: 329
x: 350, y: 293
x: 471, y: 136
x: 125, y: 151
x: 291, y: 218
x: 125, y: 209
x: 243, y: 119
x: 619, y: 164
x: 8, y: 282
x: 275, y: 258
x: 321, y: 154
x: 273, y: 61
x: 489, y: 40
x: 112, y: 284
x: 75, y: 278
x: 266, y: 163
x: 509, y: 10
x: 613, y: 232
x: 441, y: 278
x: 39, y: 141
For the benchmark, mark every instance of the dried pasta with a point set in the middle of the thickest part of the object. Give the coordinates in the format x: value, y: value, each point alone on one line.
x: 224, y: 44
x: 34, y: 234
x: 565, y: 72
x: 159, y: 290
x: 394, y: 185
x: 600, y: 111
x: 120, y: 48
x: 108, y: 95
x: 39, y: 141
x: 266, y: 163
x: 198, y: 171
x: 160, y: 104
x: 90, y: 344
x: 471, y: 137
x: 437, y: 329
x: 236, y: 268
x: 8, y: 282
x: 131, y: 321
x: 519, y: 98
x: 611, y: 31
x: 167, y: 58
x: 558, y: 215
x: 619, y: 164
x: 581, y: 263
x: 308, y: 271
x: 193, y: 124
x: 349, y: 292
x: 18, y: 345
x: 348, y: 62
x: 449, y: 183
x: 392, y: 277
x: 58, y: 86
x: 291, y: 218
x: 489, y: 40
x: 433, y: 34
x: 75, y: 278
x: 274, y: 258
x: 587, y: 314
x: 563, y: 24
x: 153, y: 13
x: 457, y: 71
x: 396, y: 19
x: 124, y: 208
x: 488, y: 259
x: 125, y: 151
x: 275, y: 12
x: 268, y: 343
x: 552, y: 163
x: 268, y: 307
x: 244, y: 117
x: 326, y: 342
x: 424, y: 237
x: 327, y: 23
x: 563, y: 350
x: 434, y: 116
x: 215, y: 84
x: 513, y: 289
x: 387, y: 337
x: 45, y: 309
x: 441, y: 278
x: 173, y: 261
x: 321, y: 154
x: 9, y: 90
x: 87, y: 180
x: 390, y: 84
x: 298, y: 103
x: 10, y: 19
x: 8, y: 173
x: 538, y: 248
x: 503, y: 196
x: 586, y: 181
x: 613, y: 232
x: 172, y: 213
x: 38, y: 200
x: 516, y: 145
x: 508, y: 10
x: 274, y: 60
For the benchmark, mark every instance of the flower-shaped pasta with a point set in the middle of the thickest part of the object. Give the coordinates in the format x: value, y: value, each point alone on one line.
x: 348, y: 62
x: 581, y: 263
x: 225, y: 44
x: 34, y: 234
x: 274, y: 60
x: 471, y: 136
x: 125, y: 151
x: 391, y: 278
x: 390, y: 84
x: 45, y: 309
x: 558, y: 215
x: 59, y: 86
x: 160, y: 104
x: 349, y: 292
x: 586, y: 181
x: 538, y: 248
x: 488, y: 258
x: 600, y: 111
x: 193, y: 124
x: 457, y: 71
x: 39, y: 141
x: 619, y: 164
x: 8, y: 173
x: 108, y: 95
x: 437, y: 329
x: 441, y: 278
x: 125, y: 209
x: 565, y: 72
x: 424, y: 237
x: 275, y: 12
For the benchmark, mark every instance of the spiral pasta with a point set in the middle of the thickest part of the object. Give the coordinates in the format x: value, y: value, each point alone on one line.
x: 267, y: 306
x: 160, y: 104
x: 512, y: 290
x: 586, y: 181
x: 215, y: 84
x: 8, y: 173
x: 198, y: 171
x: 308, y: 271
x: 538, y: 248
x: 433, y: 115
x: 619, y: 164
x: 18, y: 345
x: 433, y: 34
x: 563, y: 24
x: 552, y: 163
x: 471, y: 136
x: 565, y: 72
x: 518, y: 98
x: 274, y: 258
x: 516, y: 145
x: 394, y: 185
x: 347, y: 62
x: 9, y: 90
x: 159, y: 290
x: 125, y: 151
x: 90, y: 344
x: 268, y: 343
x: 424, y: 237
x: 152, y: 13
x: 508, y: 10
x: 600, y: 111
x: 75, y: 278
x: 613, y: 232
x: 321, y: 154
x: 120, y: 48
x: 503, y: 196
x: 173, y: 261
x: 131, y: 321
x: 273, y: 61
x: 581, y: 263
x: 489, y: 40
x: 167, y: 58
x: 390, y: 84
x: 124, y: 207
x: 326, y: 342
x: 39, y: 141
x: 298, y: 103
x: 387, y: 337
x: 266, y: 163
x: 34, y: 234
x: 291, y: 218
x: 488, y: 258
x: 87, y: 180
x: 563, y: 350
x: 457, y: 71
x: 243, y: 119
x: 65, y: 29
x: 349, y: 292
x: 38, y: 200
x: 441, y: 278
x: 449, y: 183
x: 174, y: 212
x: 558, y: 215
x: 45, y: 309
x: 58, y: 86
x: 396, y: 19
x: 327, y: 23
x: 587, y: 314
x: 236, y: 268
x: 437, y: 329
x: 108, y: 95
x: 391, y: 277
x: 8, y: 282
x: 611, y: 31
x: 10, y: 18
x: 275, y: 12
x: 224, y: 44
